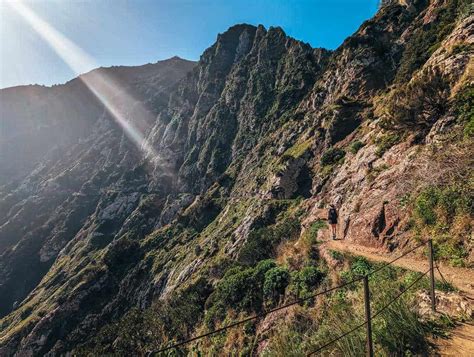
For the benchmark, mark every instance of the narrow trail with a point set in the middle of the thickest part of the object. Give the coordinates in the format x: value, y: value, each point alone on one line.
x: 461, y: 278
x: 460, y: 342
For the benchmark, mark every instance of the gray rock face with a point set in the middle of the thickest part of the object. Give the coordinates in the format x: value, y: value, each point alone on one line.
x: 77, y: 156
x: 90, y: 227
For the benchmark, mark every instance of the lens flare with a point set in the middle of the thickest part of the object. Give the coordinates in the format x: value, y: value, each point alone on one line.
x: 121, y: 105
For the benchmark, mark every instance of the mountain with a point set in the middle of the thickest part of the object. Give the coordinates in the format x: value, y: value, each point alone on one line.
x: 107, y: 248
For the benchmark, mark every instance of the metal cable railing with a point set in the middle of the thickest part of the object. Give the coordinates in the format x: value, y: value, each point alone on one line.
x: 257, y: 316
x: 367, y: 322
x: 373, y: 317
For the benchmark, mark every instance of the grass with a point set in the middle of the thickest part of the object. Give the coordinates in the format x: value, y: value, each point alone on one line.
x: 427, y: 39
x: 298, y: 149
x: 442, y: 213
x: 464, y: 109
x: 385, y: 142
x: 356, y: 146
x: 332, y: 156
x: 398, y: 331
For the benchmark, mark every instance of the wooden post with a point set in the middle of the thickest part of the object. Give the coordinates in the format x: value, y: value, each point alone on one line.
x: 432, y: 277
x: 370, y: 347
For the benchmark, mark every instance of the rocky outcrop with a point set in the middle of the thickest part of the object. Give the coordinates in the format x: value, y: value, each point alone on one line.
x: 96, y: 227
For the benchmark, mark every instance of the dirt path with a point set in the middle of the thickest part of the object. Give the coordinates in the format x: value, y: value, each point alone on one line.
x: 461, y: 339
x: 461, y: 278
x: 460, y: 342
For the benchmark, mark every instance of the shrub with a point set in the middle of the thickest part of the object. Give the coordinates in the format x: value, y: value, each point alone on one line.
x: 437, y: 213
x: 359, y: 267
x: 426, y: 39
x: 332, y: 156
x: 304, y: 281
x: 139, y: 331
x: 262, y: 267
x: 262, y: 242
x: 310, y: 276
x: 385, y: 142
x: 425, y: 205
x: 446, y: 248
x: 356, y: 146
x: 239, y: 290
x: 276, y: 281
x: 464, y: 109
x: 435, y: 204
x: 418, y: 103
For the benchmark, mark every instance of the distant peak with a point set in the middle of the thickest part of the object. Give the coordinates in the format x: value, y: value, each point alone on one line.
x: 175, y: 59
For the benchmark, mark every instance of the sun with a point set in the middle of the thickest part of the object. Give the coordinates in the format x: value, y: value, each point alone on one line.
x: 124, y: 108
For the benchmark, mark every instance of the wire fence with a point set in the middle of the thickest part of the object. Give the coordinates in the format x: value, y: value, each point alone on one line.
x: 313, y: 296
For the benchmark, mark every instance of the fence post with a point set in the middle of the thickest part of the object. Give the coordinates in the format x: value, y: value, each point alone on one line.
x: 369, y: 348
x: 432, y: 277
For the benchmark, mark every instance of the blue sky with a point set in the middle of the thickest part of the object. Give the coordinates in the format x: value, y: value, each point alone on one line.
x: 132, y: 32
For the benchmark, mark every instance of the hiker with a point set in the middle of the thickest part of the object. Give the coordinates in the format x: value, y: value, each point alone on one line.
x: 332, y: 219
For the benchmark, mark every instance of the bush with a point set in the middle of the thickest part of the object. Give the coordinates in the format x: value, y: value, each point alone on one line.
x: 310, y: 276
x: 139, y: 331
x: 438, y: 211
x: 359, y: 267
x: 276, y: 281
x: 332, y: 156
x: 385, y: 142
x: 262, y: 267
x: 304, y: 281
x: 426, y: 39
x: 262, y: 242
x: 440, y: 205
x: 239, y: 290
x: 356, y: 146
x: 464, y: 109
x: 418, y: 103
x: 425, y: 205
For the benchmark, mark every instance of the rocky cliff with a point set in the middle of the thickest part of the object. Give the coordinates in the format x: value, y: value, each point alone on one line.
x: 253, y: 141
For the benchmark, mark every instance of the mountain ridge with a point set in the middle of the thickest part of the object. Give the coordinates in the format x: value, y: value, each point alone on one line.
x: 257, y: 135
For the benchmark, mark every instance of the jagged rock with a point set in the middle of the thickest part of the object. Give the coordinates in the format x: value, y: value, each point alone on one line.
x: 92, y: 227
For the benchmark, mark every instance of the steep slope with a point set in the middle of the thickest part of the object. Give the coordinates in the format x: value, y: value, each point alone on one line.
x: 254, y: 142
x: 72, y: 150
x: 141, y: 197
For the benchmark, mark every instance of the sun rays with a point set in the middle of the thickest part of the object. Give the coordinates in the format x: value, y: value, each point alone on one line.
x: 128, y: 112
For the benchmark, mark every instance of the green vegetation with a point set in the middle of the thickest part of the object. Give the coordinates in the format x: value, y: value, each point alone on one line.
x: 276, y: 281
x: 332, y: 156
x: 464, y: 109
x: 304, y: 282
x: 356, y: 146
x: 443, y: 214
x: 262, y: 242
x: 298, y: 149
x: 385, y: 142
x: 398, y: 331
x: 416, y: 104
x: 312, y: 233
x: 141, y: 330
x: 427, y: 39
